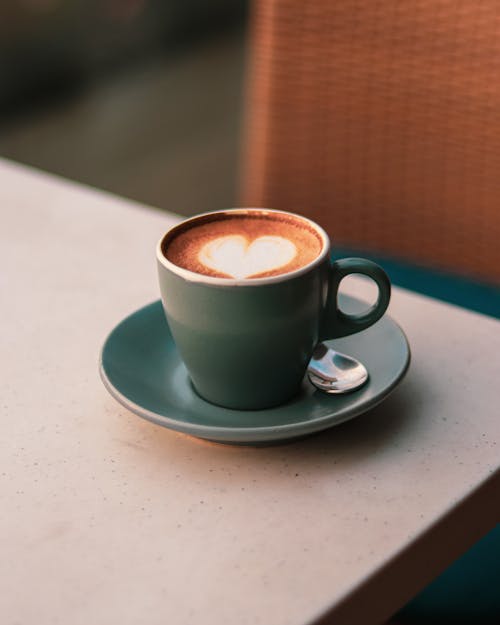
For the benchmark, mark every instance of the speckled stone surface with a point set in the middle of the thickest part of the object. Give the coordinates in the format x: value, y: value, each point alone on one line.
x: 108, y: 519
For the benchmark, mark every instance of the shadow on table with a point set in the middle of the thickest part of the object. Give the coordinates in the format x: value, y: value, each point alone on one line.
x: 391, y: 423
x: 367, y: 434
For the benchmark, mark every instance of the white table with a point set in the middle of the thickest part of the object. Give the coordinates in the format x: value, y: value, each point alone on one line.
x: 108, y: 519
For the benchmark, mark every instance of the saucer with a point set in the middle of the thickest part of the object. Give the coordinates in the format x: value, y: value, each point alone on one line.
x: 141, y: 368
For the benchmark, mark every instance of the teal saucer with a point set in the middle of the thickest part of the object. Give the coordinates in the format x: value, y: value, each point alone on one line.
x: 141, y: 368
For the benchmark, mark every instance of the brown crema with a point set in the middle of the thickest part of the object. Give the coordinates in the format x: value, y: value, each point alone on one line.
x: 183, y: 245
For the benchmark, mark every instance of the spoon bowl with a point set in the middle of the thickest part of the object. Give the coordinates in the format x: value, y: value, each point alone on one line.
x: 335, y: 373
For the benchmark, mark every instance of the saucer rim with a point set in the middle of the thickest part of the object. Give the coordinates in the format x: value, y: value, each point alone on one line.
x: 259, y: 434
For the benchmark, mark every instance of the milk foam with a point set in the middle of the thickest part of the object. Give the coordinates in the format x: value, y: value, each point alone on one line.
x: 236, y: 256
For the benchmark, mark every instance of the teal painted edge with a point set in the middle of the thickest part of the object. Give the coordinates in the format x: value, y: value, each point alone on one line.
x: 471, y: 294
x: 467, y: 591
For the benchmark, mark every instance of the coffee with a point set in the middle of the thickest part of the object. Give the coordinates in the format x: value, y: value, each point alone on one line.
x: 243, y: 245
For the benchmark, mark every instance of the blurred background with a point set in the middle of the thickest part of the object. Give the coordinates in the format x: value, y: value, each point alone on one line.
x: 138, y: 97
x: 380, y: 120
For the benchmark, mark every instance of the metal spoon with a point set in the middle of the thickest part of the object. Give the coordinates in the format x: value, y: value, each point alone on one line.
x: 335, y: 373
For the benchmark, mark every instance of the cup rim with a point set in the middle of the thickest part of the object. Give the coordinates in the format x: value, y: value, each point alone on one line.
x: 192, y: 276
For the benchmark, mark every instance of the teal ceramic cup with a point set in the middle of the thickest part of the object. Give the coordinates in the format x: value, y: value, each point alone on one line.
x: 246, y: 343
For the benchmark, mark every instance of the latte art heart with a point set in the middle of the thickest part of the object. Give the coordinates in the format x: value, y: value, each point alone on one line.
x: 244, y: 244
x: 235, y: 256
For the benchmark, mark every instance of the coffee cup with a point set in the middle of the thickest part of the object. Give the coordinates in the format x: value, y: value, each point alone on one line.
x: 247, y: 294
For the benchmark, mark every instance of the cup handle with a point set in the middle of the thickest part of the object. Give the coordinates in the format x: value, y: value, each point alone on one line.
x: 337, y: 323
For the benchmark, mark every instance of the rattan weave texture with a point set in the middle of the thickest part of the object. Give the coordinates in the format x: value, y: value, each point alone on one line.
x: 381, y: 120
